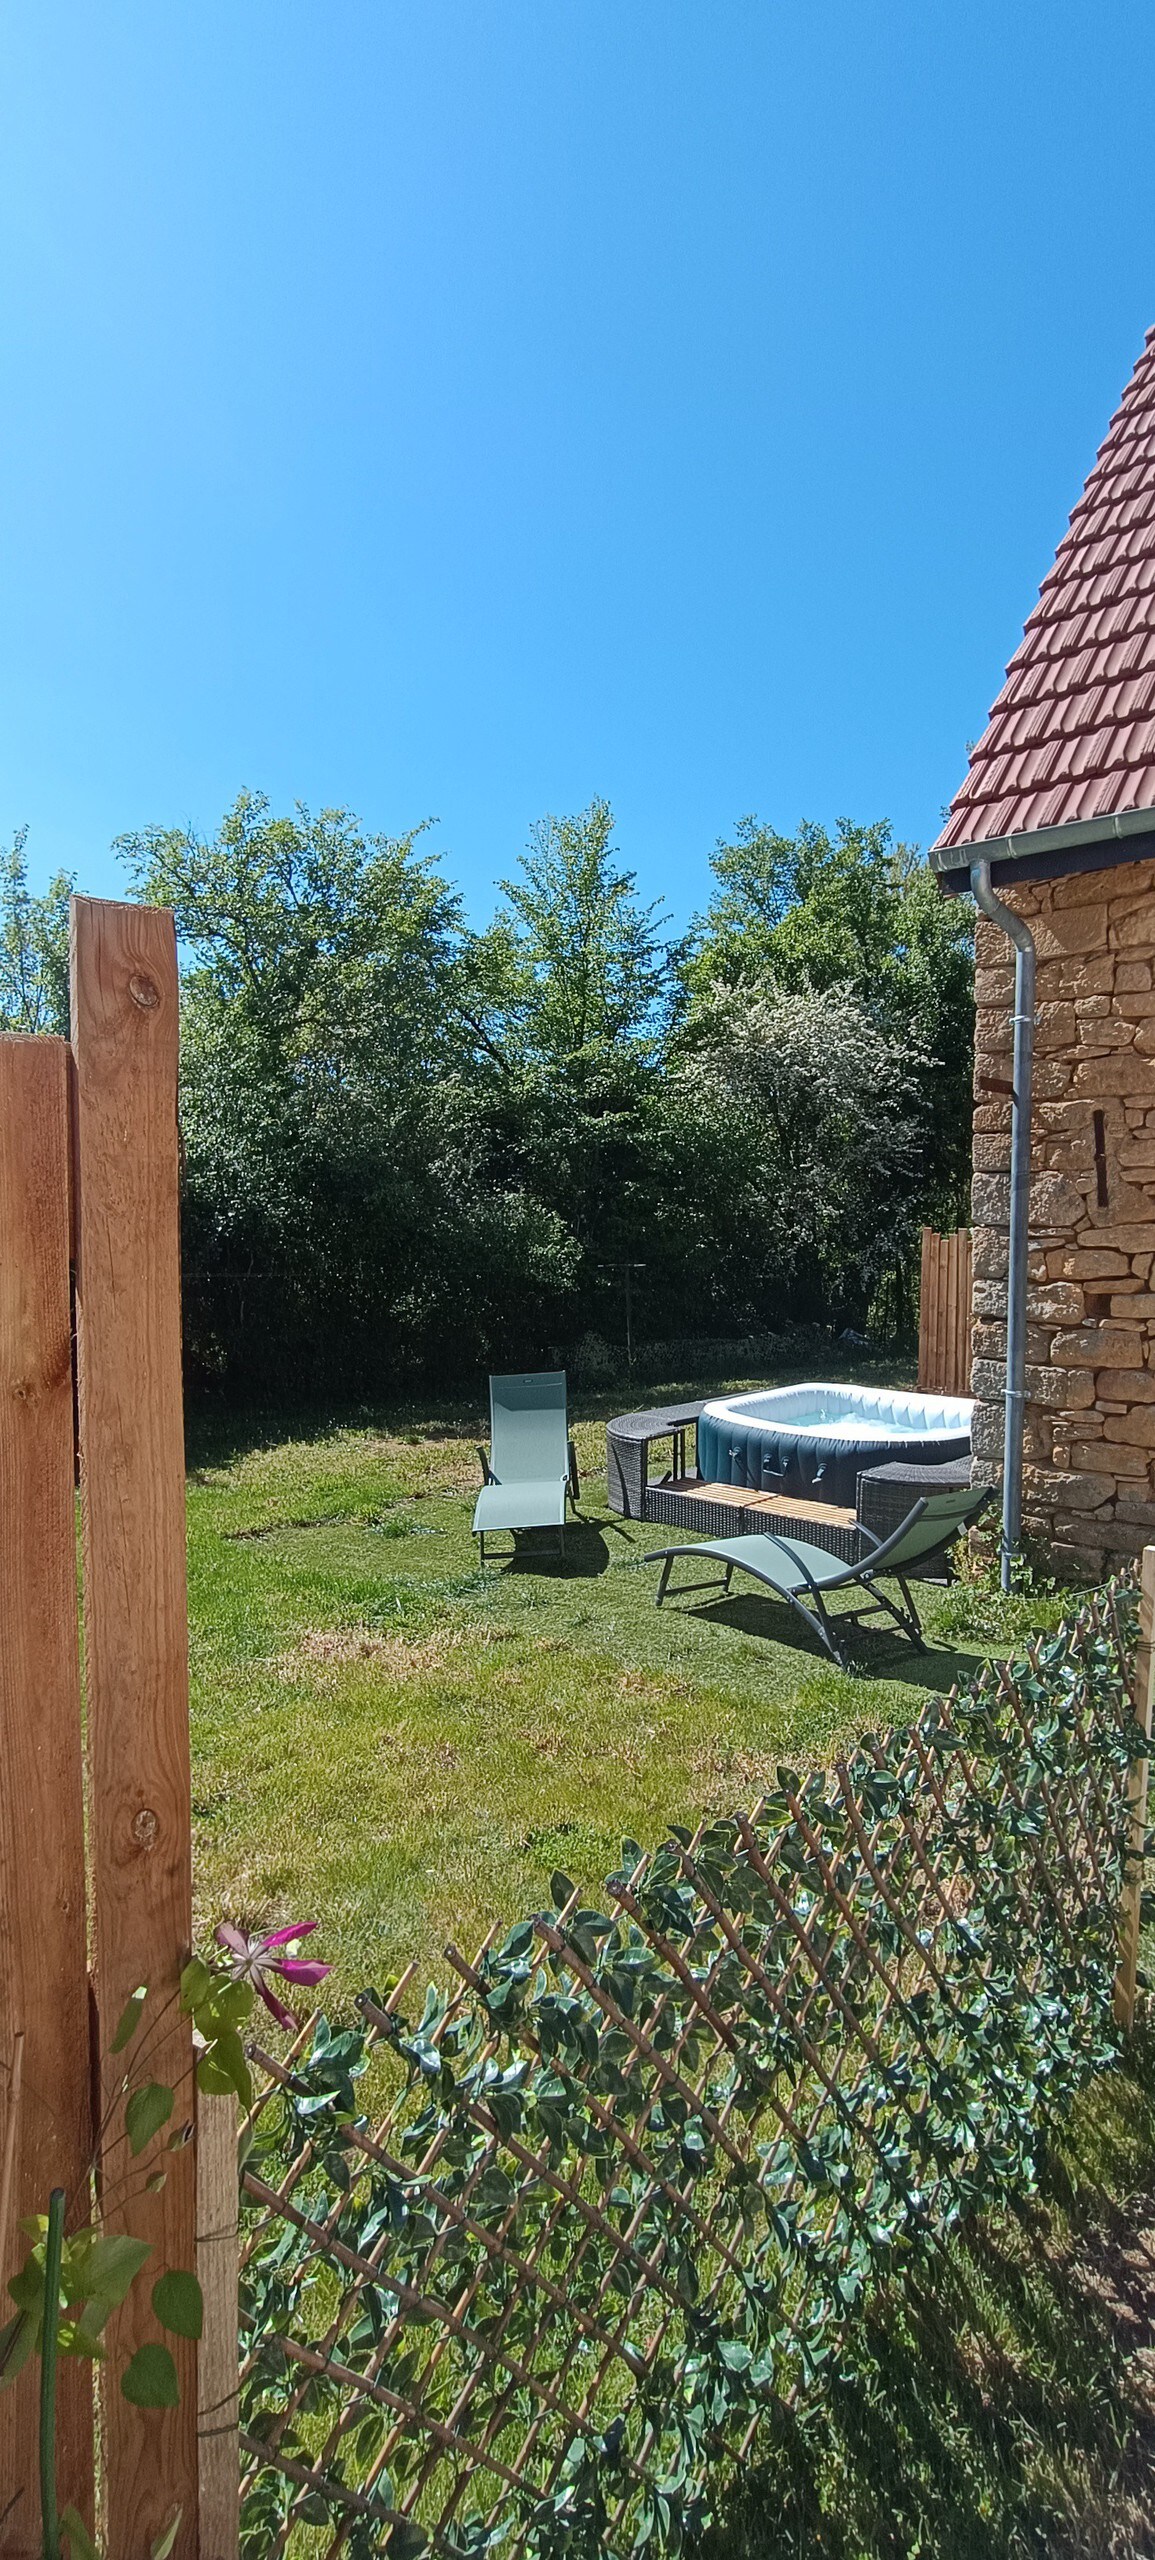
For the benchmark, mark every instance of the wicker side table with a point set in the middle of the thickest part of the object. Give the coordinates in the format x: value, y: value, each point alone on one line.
x: 628, y: 1439
x: 886, y: 1494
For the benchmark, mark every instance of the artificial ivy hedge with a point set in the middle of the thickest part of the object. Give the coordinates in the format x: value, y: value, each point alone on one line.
x: 648, y: 2162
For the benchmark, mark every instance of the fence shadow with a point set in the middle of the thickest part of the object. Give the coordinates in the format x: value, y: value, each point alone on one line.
x: 698, y: 2158
x: 1003, y: 2404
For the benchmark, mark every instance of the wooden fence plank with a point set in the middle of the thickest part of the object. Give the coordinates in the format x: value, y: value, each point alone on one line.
x: 218, y: 2242
x: 944, y: 1316
x: 967, y: 1311
x: 1143, y: 1695
x: 950, y: 1362
x: 125, y: 1036
x: 959, y: 1260
x: 940, y: 1251
x: 43, y: 1974
x: 954, y: 1305
x: 924, y: 1296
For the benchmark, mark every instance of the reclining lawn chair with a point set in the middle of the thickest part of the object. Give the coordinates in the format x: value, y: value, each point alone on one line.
x: 804, y: 1575
x: 532, y: 1465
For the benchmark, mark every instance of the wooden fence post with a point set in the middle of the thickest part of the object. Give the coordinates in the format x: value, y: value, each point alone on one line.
x: 45, y: 2119
x: 1143, y: 1695
x: 125, y: 1035
x: 218, y: 2243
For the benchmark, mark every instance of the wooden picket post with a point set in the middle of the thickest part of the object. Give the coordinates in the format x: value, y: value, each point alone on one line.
x: 125, y: 999
x: 218, y: 2252
x: 1143, y: 1696
x: 45, y: 2110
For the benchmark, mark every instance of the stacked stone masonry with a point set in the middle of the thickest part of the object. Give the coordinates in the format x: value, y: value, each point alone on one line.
x: 1089, y: 1459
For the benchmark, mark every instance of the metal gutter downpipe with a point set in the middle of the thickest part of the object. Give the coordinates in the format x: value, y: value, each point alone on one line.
x: 1019, y: 1226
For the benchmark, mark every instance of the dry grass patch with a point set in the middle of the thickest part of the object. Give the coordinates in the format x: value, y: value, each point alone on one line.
x: 729, y: 1777
x: 399, y: 1657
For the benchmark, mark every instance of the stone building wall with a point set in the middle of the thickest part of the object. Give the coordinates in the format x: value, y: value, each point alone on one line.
x: 1089, y: 1459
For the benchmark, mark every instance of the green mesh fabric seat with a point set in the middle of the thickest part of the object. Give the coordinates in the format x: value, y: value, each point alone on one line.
x: 531, y: 1470
x: 804, y: 1576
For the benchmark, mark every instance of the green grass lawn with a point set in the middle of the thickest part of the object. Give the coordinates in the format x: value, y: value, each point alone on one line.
x: 392, y: 1741
x: 404, y: 1747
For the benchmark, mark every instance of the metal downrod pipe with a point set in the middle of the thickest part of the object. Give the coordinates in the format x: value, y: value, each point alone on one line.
x: 1019, y: 1230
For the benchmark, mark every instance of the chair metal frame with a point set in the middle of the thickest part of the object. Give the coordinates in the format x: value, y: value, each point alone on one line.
x: 817, y: 1617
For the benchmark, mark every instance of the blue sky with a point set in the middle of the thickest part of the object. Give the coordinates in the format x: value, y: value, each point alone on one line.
x: 464, y: 407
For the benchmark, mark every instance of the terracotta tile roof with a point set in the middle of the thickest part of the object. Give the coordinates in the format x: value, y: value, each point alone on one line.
x: 1072, y: 734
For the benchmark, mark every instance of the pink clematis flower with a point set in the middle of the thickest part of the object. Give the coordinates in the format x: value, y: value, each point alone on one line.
x: 255, y: 1958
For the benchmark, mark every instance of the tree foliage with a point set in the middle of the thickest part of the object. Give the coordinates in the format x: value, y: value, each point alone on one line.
x: 857, y: 910
x: 345, y: 1217
x: 823, y: 1101
x: 578, y: 964
x: 33, y: 946
x: 414, y: 1148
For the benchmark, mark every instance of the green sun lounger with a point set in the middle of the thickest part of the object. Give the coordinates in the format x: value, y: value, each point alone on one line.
x: 531, y: 1469
x: 804, y: 1576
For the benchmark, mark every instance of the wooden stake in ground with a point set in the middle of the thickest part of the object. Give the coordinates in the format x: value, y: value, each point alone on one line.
x: 125, y: 1000
x: 45, y: 2127
x: 1131, y: 1907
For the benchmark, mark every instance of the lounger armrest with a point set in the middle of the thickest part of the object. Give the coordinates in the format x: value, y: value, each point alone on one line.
x: 575, y: 1482
x: 487, y: 1474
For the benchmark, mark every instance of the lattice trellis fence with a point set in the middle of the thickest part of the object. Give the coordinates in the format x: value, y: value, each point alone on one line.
x: 644, y: 2163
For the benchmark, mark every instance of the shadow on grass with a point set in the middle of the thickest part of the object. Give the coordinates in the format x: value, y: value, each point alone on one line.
x: 995, y: 2406
x: 227, y: 1420
x: 581, y: 1558
x: 219, y: 1428
x: 874, y: 1654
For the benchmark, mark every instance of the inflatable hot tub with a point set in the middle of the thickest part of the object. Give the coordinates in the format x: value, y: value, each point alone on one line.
x: 812, y: 1441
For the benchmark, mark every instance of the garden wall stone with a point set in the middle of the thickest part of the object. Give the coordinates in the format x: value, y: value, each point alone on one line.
x: 1089, y: 1474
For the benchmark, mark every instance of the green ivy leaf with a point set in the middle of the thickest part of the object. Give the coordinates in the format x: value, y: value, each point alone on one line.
x: 129, y: 2019
x: 178, y: 2303
x: 160, y: 2549
x: 146, y: 2110
x: 150, y: 2379
x: 232, y: 2003
x: 223, y: 2071
x: 100, y: 2266
x: 195, y: 1982
x: 407, y: 2540
x: 80, y: 2543
x: 17, y: 2339
x: 27, y: 2287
